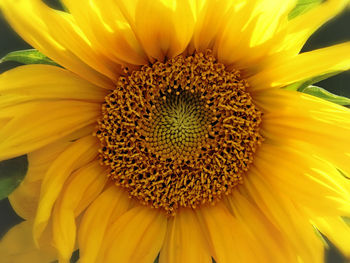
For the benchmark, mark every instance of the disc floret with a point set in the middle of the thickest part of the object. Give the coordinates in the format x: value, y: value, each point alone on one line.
x: 180, y: 133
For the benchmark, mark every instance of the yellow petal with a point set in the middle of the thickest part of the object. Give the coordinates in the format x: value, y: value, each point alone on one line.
x: 265, y: 236
x: 184, y: 240
x: 38, y: 82
x: 24, y: 200
x: 147, y: 228
x: 302, y: 67
x: 271, y: 15
x: 17, y: 246
x: 208, y: 22
x: 109, y: 206
x: 77, y: 155
x: 286, y: 216
x: 250, y: 30
x: 56, y: 35
x: 336, y: 230
x: 302, y: 121
x: 108, y: 29
x: 36, y: 124
x: 83, y: 187
x: 312, y: 183
x: 164, y: 28
x: 227, y: 238
x: 40, y: 160
x: 301, y: 28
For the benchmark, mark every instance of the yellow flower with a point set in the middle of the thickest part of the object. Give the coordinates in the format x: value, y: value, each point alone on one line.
x: 166, y: 132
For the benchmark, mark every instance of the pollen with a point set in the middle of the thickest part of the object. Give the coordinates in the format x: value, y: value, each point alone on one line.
x: 179, y: 134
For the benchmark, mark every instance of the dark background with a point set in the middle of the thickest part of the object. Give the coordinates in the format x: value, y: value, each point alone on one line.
x: 334, y: 32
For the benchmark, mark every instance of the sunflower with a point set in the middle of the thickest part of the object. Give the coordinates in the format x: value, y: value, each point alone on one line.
x: 165, y: 133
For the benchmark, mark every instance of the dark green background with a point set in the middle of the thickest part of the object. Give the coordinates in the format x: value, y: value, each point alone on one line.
x: 335, y: 31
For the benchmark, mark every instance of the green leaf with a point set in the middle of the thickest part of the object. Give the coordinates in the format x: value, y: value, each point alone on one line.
x: 302, y: 7
x: 326, y: 95
x: 301, y: 85
x: 28, y: 56
x: 12, y: 173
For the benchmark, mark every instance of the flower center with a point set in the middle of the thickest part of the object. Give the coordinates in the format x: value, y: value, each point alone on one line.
x: 180, y: 133
x: 178, y: 124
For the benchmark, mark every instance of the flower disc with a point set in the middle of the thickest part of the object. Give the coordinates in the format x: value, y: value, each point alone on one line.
x: 180, y: 133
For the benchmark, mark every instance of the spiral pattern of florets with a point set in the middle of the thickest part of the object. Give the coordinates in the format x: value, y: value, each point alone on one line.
x: 180, y: 133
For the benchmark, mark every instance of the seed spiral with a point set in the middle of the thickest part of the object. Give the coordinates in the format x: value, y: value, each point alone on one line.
x: 180, y: 133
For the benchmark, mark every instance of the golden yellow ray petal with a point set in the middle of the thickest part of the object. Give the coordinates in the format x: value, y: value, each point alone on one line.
x: 24, y: 200
x: 249, y: 30
x: 266, y: 237
x: 301, y: 28
x: 312, y: 183
x: 108, y: 29
x: 75, y: 156
x: 228, y: 239
x: 184, y: 241
x: 164, y: 28
x: 38, y: 82
x: 40, y: 160
x: 90, y: 178
x: 271, y: 15
x: 208, y: 22
x: 92, y: 192
x: 17, y: 246
x: 303, y: 66
x: 336, y: 230
x: 109, y: 206
x: 56, y: 35
x: 146, y: 226
x: 302, y: 121
x: 285, y: 216
x: 238, y: 25
x: 35, y: 124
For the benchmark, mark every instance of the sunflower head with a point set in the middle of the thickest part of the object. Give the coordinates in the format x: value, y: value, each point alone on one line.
x: 167, y: 131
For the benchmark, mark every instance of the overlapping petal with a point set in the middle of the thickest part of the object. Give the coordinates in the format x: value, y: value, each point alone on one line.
x: 56, y: 34
x: 302, y: 67
x: 249, y: 31
x: 35, y: 124
x: 147, y: 227
x: 24, y: 200
x: 164, y: 28
x: 283, y: 214
x: 185, y: 241
x: 302, y: 27
x: 83, y: 187
x: 109, y: 29
x: 75, y: 156
x: 41, y: 104
x: 302, y: 121
x: 305, y: 183
x: 18, y: 246
x: 44, y: 82
x: 336, y: 230
x: 314, y: 190
x: 102, y: 213
x: 228, y: 239
x: 264, y: 234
